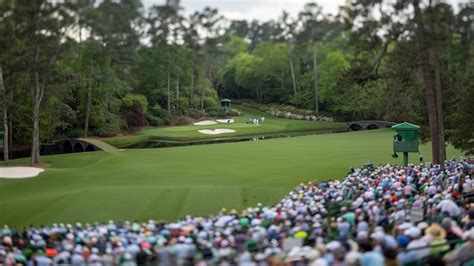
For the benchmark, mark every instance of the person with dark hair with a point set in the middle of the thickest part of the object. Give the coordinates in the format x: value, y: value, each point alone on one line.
x: 370, y: 257
x: 397, y: 137
x: 142, y: 257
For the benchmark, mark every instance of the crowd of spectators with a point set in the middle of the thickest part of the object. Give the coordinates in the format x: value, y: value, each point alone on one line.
x: 384, y: 215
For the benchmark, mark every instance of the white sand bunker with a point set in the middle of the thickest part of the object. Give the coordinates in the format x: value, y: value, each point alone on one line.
x: 225, y: 120
x: 205, y: 123
x: 216, y: 131
x: 19, y: 172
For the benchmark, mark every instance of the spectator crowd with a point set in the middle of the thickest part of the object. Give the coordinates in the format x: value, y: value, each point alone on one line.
x: 384, y: 215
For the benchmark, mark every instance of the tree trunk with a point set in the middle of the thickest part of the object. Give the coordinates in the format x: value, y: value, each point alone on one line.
x: 37, y: 95
x: 258, y: 95
x: 378, y: 59
x: 439, y: 96
x: 6, y: 159
x: 89, y: 98
x: 293, y: 78
x: 10, y: 121
x: 177, y: 88
x: 10, y: 134
x: 206, y: 71
x: 191, y: 97
x: 439, y: 105
x: 35, y: 149
x: 202, y: 97
x: 428, y: 84
x: 168, y: 93
x: 282, y: 83
x: 467, y: 52
x: 315, y: 77
x: 81, y: 75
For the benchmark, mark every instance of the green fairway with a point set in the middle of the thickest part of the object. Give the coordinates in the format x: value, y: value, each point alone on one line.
x: 271, y: 125
x: 169, y: 183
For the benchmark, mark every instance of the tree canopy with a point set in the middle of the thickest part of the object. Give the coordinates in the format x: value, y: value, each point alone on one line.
x: 97, y: 67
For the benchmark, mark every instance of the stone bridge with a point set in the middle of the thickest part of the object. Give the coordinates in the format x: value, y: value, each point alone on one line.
x: 368, y: 125
x: 75, y: 145
x: 64, y: 146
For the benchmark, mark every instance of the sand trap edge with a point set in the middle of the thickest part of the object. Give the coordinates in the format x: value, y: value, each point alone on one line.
x: 19, y: 172
x: 205, y: 123
x: 216, y: 131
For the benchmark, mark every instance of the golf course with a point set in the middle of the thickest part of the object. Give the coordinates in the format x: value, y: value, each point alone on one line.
x: 169, y: 183
x: 245, y: 133
x: 272, y: 125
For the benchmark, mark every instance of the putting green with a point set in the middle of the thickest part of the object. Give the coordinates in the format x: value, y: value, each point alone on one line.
x: 271, y: 125
x: 169, y: 183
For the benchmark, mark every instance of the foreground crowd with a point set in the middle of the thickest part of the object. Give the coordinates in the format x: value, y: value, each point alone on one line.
x: 386, y: 215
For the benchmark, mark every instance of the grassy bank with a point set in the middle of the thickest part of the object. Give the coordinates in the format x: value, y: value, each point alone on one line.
x: 271, y: 125
x: 171, y: 182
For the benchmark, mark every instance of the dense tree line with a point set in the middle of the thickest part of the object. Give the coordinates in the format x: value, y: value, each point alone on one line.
x: 404, y: 60
x: 83, y: 67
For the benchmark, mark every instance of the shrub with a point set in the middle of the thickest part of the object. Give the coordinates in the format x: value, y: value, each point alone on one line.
x: 217, y: 113
x: 180, y: 106
x: 154, y: 120
x: 181, y: 120
x: 196, y: 113
x: 163, y: 115
x: 135, y: 99
x: 233, y: 112
x: 107, y: 130
x: 222, y: 113
x: 134, y: 117
x: 75, y: 133
x: 288, y: 111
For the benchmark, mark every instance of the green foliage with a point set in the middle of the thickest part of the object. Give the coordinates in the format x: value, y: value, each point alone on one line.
x: 154, y: 120
x: 210, y: 94
x: 367, y: 67
x: 56, y: 118
x: 248, y: 73
x: 463, y: 136
x: 217, y: 113
x: 304, y: 99
x: 233, y: 45
x: 181, y: 120
x: 109, y: 129
x: 287, y: 111
x: 135, y: 99
x: 265, y: 75
x: 105, y: 123
x: 161, y: 114
x: 361, y: 101
x: 181, y: 106
x: 404, y: 95
x: 330, y: 70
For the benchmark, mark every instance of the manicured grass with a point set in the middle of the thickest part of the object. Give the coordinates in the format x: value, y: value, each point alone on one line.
x: 169, y: 183
x: 271, y: 125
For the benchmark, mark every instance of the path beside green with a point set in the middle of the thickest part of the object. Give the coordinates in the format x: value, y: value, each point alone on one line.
x: 100, y: 144
x: 271, y: 125
x: 171, y: 182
